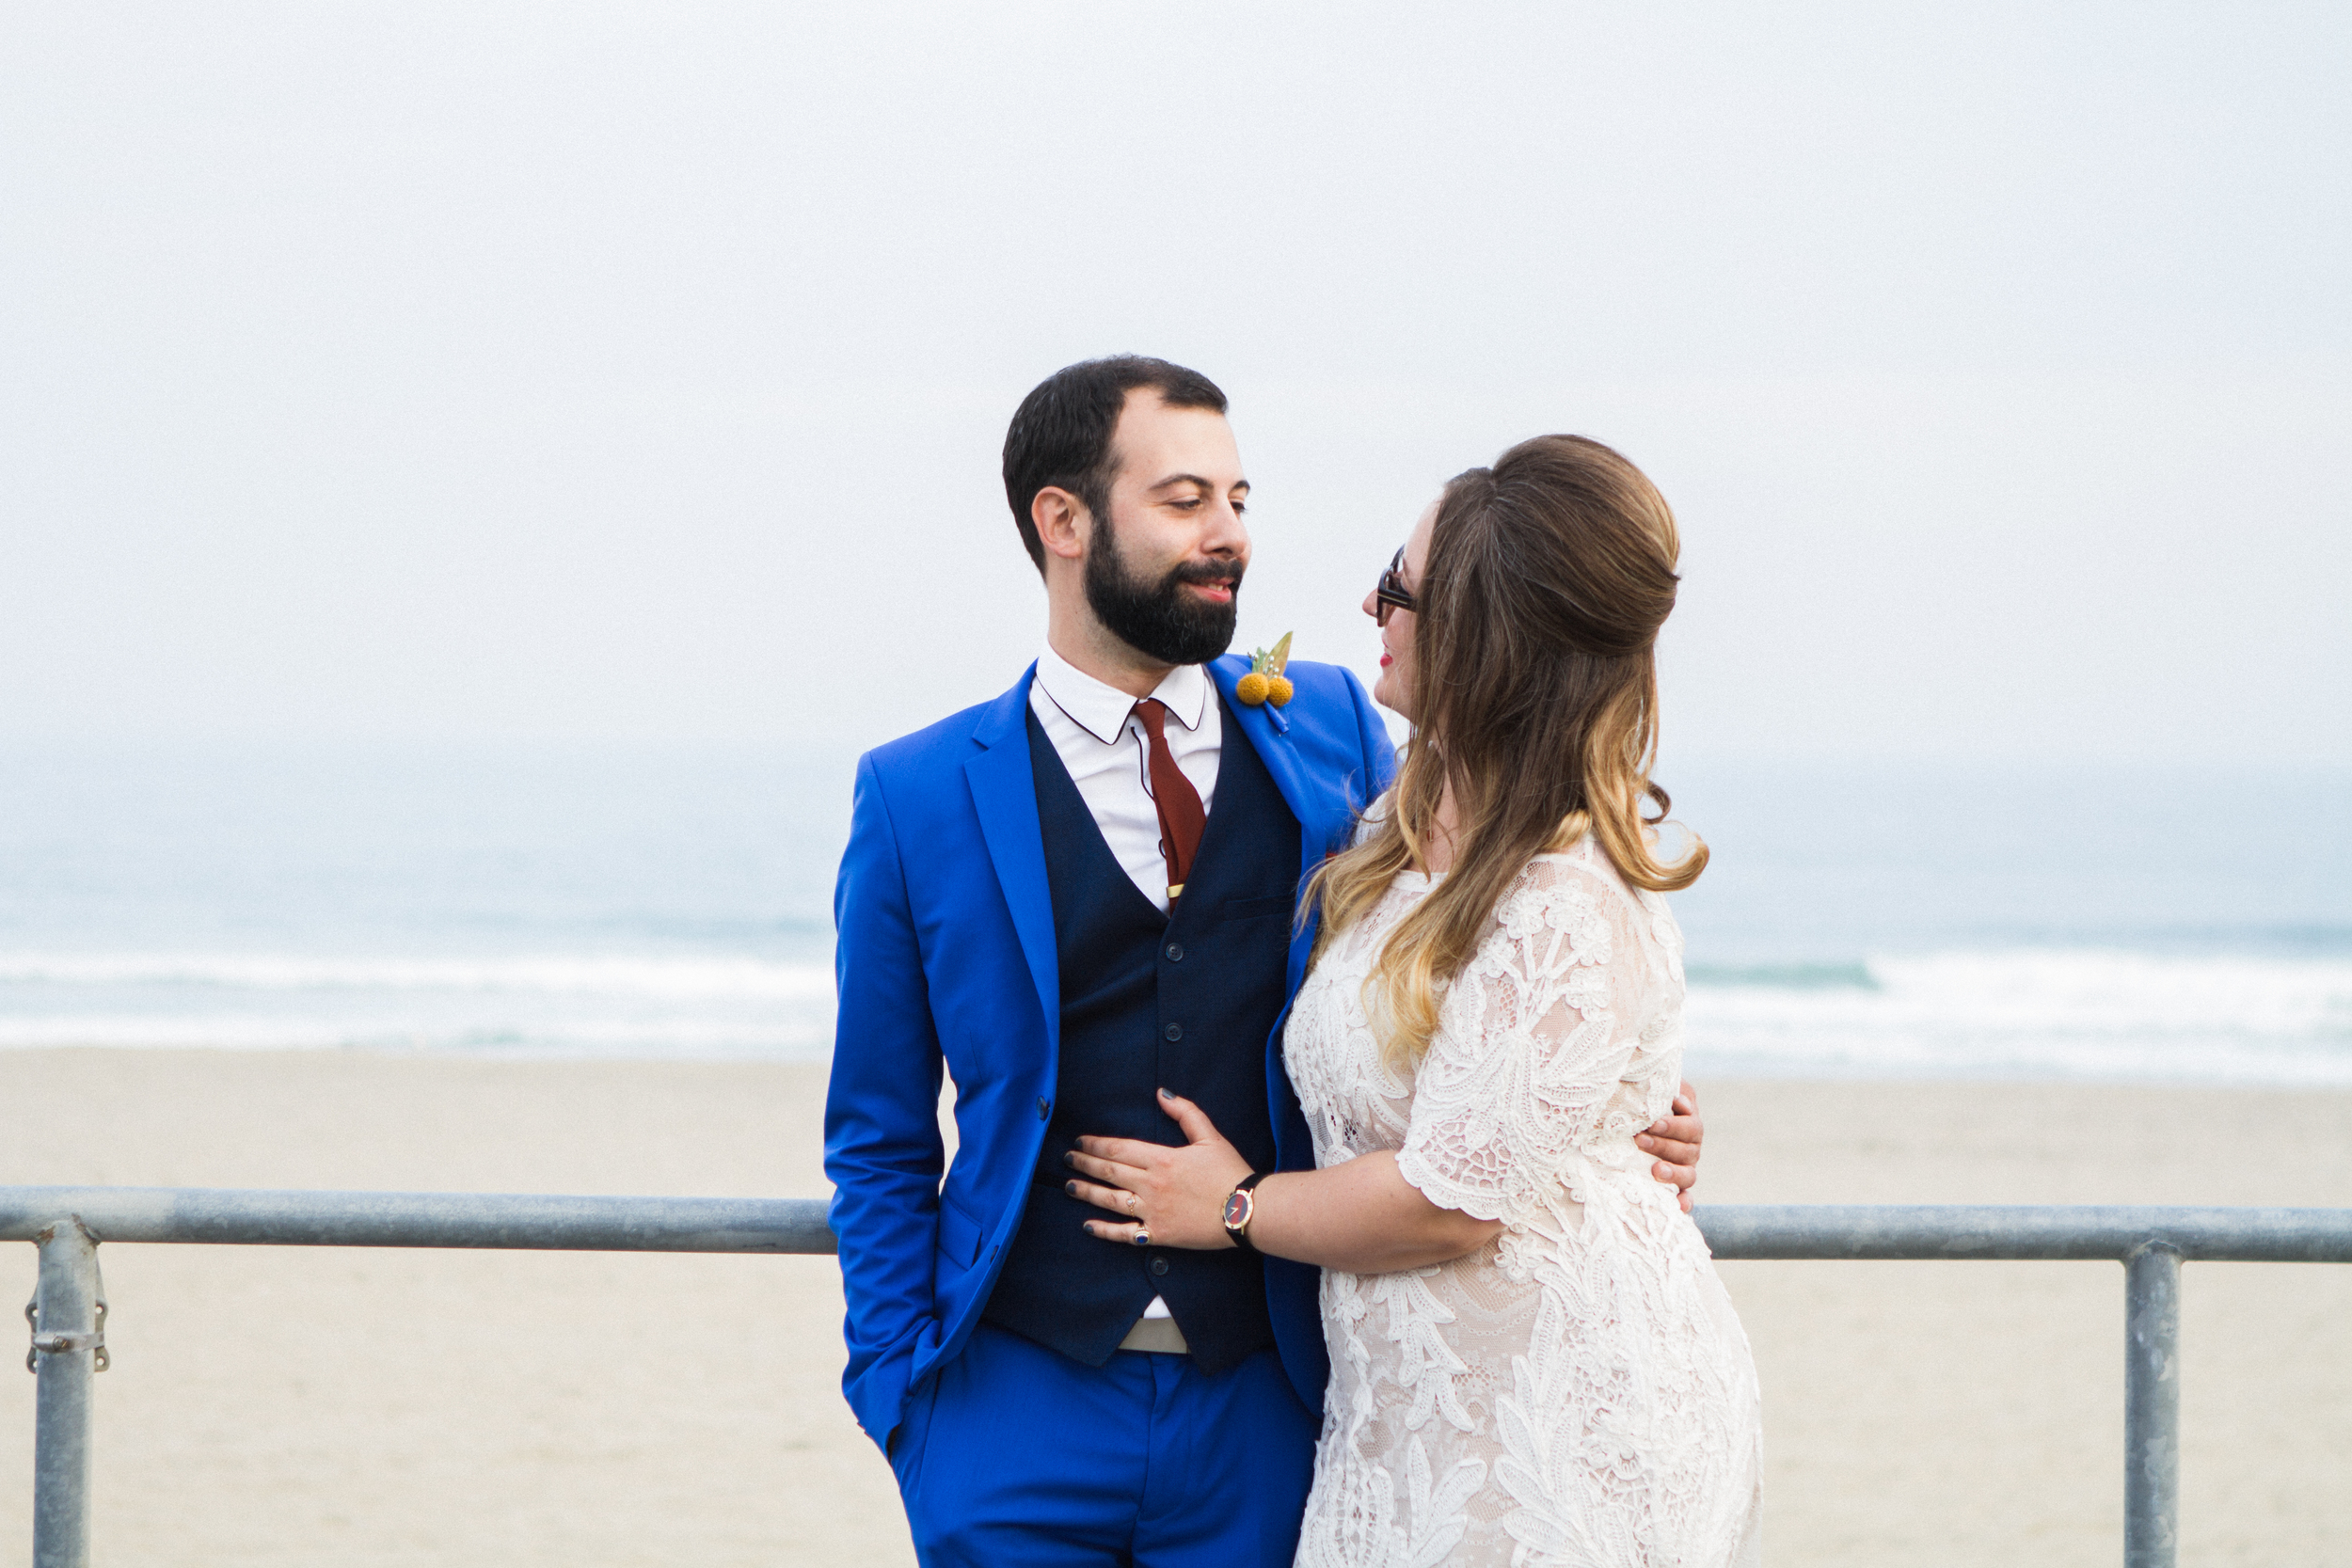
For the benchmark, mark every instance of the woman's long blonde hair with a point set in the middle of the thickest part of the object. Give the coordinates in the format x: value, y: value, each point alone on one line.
x: 1535, y: 697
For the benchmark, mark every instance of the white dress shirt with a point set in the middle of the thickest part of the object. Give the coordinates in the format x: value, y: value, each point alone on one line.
x: 1099, y: 738
x: 1102, y: 742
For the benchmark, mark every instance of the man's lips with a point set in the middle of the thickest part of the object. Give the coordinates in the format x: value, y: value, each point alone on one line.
x: 1216, y: 593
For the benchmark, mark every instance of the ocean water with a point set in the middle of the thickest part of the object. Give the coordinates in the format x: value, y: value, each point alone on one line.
x: 1889, y: 920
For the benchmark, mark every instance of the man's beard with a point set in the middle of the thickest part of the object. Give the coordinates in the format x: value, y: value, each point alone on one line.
x: 1159, y: 619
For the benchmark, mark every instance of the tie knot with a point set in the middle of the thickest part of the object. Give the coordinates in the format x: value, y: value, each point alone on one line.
x: 1153, y: 713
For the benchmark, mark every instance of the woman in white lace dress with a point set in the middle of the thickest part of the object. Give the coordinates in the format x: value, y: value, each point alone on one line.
x: 1532, y: 1360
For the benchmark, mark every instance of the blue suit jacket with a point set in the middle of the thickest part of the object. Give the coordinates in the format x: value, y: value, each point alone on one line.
x: 945, y: 956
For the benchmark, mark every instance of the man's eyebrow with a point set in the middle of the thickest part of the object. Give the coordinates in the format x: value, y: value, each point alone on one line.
x: 1196, y: 478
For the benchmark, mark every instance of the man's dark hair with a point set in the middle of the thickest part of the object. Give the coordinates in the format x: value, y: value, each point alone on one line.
x: 1060, y: 436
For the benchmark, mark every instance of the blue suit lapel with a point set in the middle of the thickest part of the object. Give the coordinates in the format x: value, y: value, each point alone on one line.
x: 1320, y: 809
x: 1004, y: 790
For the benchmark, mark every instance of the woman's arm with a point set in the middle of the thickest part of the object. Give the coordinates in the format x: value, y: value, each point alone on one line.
x: 1361, y: 1217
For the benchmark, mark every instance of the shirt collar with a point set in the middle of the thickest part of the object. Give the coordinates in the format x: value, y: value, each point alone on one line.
x: 1102, y: 710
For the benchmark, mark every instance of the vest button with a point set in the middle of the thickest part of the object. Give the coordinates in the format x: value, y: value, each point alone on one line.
x: 1044, y: 1107
x: 1175, y: 952
x: 1172, y: 1032
x: 1159, y: 1265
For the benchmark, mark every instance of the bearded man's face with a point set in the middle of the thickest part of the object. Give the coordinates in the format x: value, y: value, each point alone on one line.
x: 1166, y: 546
x: 1157, y: 613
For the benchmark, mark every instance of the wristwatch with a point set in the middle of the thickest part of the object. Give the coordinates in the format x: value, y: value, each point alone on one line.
x: 1240, y: 1205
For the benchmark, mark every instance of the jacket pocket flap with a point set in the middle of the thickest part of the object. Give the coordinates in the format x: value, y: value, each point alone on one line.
x: 959, y: 1234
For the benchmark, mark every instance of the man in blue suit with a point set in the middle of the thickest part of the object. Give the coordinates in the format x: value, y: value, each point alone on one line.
x: 1069, y: 898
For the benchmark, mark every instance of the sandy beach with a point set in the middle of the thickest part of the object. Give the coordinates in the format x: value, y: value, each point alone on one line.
x: 378, y: 1407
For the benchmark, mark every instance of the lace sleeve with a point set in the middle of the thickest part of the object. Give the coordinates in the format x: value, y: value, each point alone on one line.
x: 1529, y: 1049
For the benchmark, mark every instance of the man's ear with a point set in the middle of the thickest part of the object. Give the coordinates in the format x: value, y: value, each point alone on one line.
x: 1061, y: 520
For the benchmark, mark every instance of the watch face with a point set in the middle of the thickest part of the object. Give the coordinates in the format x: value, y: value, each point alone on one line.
x: 1237, y: 1211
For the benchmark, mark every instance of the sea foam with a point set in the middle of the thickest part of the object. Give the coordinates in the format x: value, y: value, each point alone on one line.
x: 2044, y: 1012
x: 578, y: 1004
x: 581, y: 974
x: 2026, y: 1013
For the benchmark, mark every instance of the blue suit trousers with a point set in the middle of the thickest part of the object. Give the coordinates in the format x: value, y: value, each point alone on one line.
x: 1017, y: 1456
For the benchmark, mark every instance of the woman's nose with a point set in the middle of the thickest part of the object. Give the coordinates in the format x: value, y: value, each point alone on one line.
x: 1371, y: 609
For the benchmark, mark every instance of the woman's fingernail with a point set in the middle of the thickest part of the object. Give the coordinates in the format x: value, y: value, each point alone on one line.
x: 1069, y: 1158
x: 1164, y: 1095
x: 1069, y: 1187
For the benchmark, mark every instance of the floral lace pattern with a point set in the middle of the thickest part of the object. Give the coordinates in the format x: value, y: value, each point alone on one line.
x: 1578, y: 1391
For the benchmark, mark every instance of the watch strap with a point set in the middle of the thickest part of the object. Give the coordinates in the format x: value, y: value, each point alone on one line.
x: 1241, y: 1232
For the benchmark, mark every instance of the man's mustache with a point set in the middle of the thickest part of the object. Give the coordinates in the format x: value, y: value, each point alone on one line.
x: 1223, y: 572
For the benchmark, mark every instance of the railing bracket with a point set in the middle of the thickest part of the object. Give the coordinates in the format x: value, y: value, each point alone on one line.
x: 67, y: 1344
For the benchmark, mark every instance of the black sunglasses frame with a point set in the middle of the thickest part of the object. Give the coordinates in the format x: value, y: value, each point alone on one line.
x: 1391, y: 593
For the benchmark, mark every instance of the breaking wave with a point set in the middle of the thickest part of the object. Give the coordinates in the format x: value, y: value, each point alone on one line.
x: 2044, y: 1012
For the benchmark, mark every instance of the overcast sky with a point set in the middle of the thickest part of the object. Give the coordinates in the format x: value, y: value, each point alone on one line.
x: 497, y: 372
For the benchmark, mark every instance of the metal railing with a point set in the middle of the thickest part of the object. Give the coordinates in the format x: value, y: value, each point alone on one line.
x: 69, y: 1306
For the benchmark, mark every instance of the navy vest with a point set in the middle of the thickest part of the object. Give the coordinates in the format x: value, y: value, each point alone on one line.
x: 1184, y: 1001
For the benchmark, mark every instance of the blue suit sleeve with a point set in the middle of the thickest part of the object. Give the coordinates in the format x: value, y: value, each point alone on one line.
x: 882, y: 1149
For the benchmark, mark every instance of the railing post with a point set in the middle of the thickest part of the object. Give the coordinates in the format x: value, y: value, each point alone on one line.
x: 69, y: 1316
x: 2151, y: 1405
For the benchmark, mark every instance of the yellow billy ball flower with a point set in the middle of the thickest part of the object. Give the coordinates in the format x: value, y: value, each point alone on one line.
x: 1253, y: 688
x: 1279, y: 690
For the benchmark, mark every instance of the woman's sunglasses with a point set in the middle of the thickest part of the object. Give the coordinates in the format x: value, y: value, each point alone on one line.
x: 1391, y: 593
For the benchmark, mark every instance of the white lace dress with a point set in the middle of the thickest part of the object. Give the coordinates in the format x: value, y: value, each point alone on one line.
x: 1578, y: 1391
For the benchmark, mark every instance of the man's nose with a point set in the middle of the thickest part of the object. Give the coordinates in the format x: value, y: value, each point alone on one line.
x: 1226, y: 534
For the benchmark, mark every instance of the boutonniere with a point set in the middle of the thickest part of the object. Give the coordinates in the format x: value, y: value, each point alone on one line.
x: 1266, y: 682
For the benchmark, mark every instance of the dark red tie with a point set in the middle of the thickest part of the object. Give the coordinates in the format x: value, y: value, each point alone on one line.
x: 1180, y: 816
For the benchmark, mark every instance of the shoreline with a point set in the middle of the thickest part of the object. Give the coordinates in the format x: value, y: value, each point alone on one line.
x: 285, y: 1406
x: 1740, y: 1073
